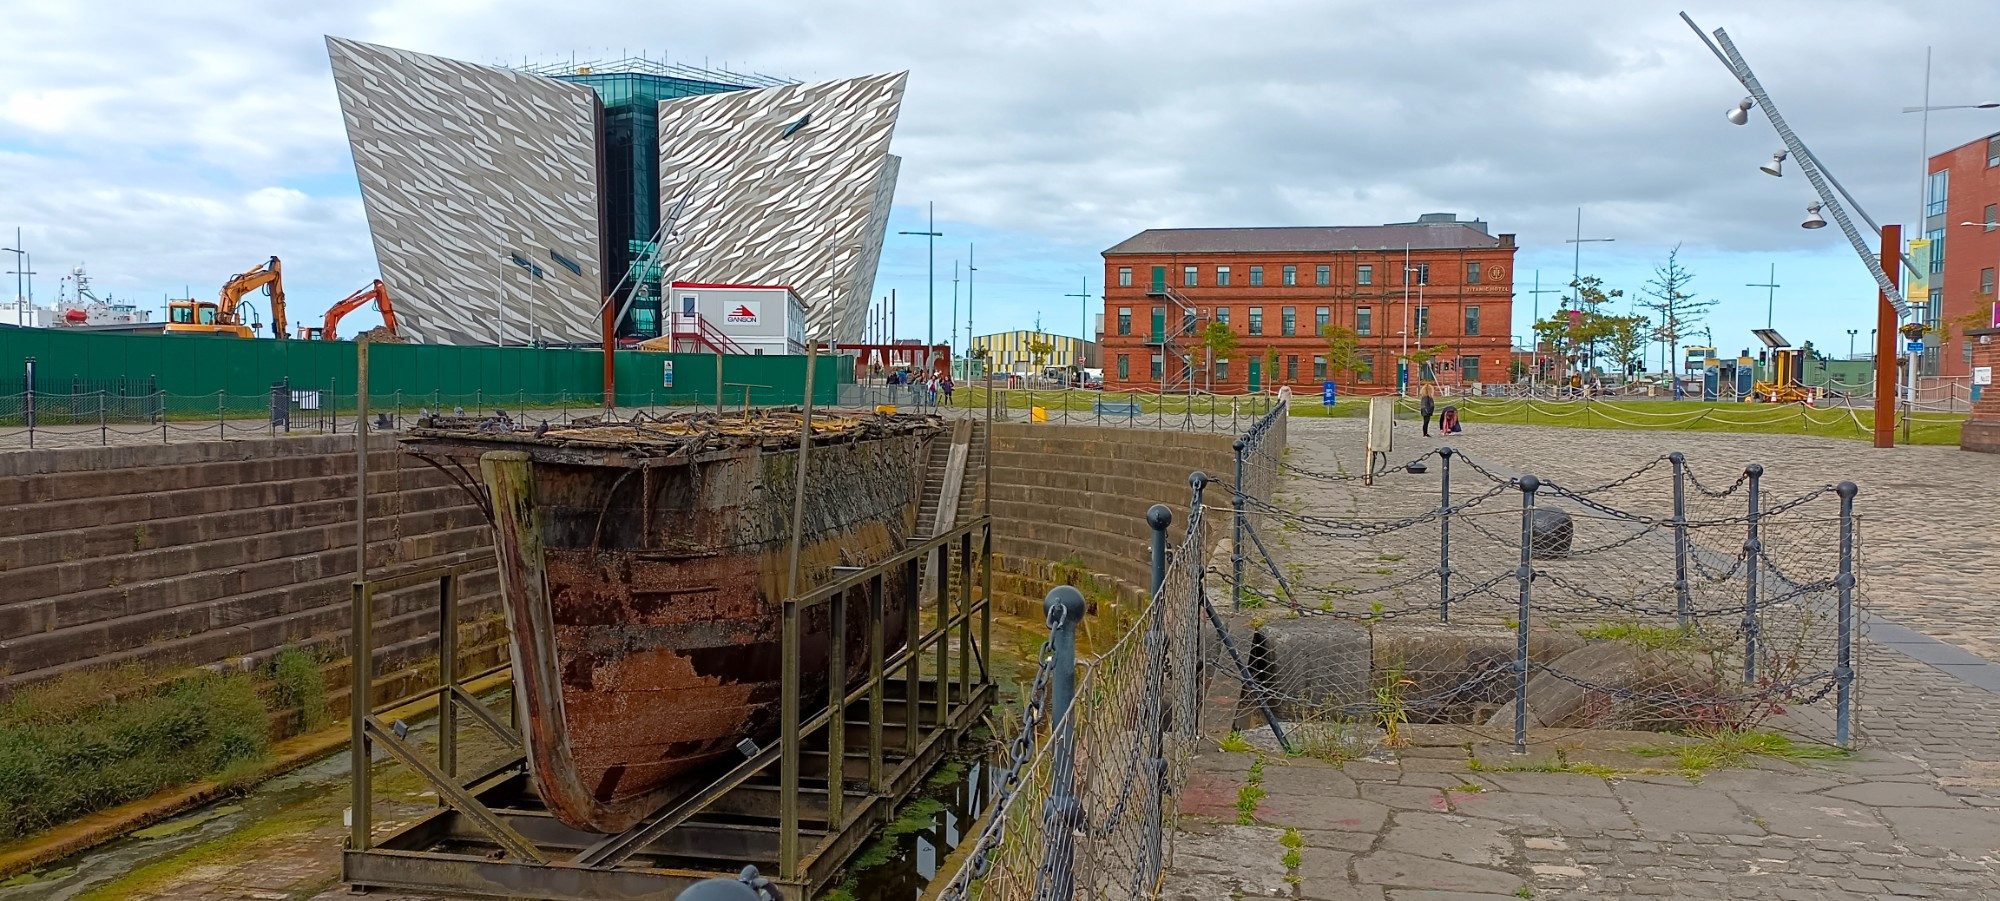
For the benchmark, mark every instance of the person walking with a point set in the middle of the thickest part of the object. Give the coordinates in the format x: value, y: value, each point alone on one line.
x: 1427, y: 405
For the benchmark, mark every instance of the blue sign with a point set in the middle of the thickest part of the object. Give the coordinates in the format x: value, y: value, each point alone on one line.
x: 1915, y: 347
x: 1326, y: 393
x: 667, y: 380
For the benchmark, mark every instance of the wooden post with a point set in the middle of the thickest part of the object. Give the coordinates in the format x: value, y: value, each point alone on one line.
x: 1885, y: 340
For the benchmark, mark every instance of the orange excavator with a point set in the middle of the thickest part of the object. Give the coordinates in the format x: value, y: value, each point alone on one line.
x: 374, y: 292
x: 224, y: 317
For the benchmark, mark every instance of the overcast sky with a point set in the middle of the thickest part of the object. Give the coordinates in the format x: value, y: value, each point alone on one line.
x: 173, y: 144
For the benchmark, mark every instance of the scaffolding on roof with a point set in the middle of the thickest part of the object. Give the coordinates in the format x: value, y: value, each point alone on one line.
x: 636, y: 65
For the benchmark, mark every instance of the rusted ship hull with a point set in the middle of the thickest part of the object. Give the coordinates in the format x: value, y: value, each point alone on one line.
x: 643, y: 598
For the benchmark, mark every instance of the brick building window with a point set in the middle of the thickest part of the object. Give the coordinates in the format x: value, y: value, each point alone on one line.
x: 1222, y: 315
x: 1292, y: 368
x: 1936, y: 237
x: 1222, y: 370
x: 1940, y: 183
x: 1323, y: 275
x: 1320, y: 317
x: 1124, y: 276
x: 1364, y: 321
x: 1992, y: 217
x: 1468, y: 369
x: 1986, y: 281
x: 1256, y: 320
x: 1124, y: 367
x: 1288, y: 321
x: 1472, y: 320
x: 1156, y: 367
x: 1124, y: 321
x: 1472, y: 273
x: 1422, y: 273
x: 1222, y: 276
x: 1188, y: 277
x: 1423, y: 322
x: 1993, y: 151
x: 1363, y: 275
x: 1291, y: 275
x: 1319, y: 369
x: 1364, y: 370
x: 1256, y: 276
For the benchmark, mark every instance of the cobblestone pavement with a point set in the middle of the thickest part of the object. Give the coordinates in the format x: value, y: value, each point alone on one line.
x: 1915, y: 814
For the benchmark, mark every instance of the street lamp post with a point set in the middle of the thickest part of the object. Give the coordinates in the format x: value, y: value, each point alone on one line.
x: 20, y: 269
x: 930, y: 335
x: 1830, y: 192
x: 1576, y: 270
x: 969, y: 270
x: 1771, y: 287
x: 1535, y: 345
x: 1850, y: 342
x: 1083, y: 332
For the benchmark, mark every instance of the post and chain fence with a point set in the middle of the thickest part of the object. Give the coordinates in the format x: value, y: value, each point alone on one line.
x: 1657, y: 601
x: 1086, y: 809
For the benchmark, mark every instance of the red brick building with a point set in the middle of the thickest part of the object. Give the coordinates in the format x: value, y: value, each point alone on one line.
x: 1964, y: 187
x: 1443, y: 281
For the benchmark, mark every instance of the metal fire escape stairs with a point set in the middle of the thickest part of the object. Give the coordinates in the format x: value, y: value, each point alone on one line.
x: 1179, y: 338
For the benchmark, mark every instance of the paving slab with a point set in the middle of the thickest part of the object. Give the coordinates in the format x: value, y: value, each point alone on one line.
x: 1894, y: 794
x: 1480, y: 843
x: 1246, y: 859
x: 1579, y: 816
x: 1318, y: 812
x: 1396, y: 869
x: 1669, y: 809
x: 1812, y: 816
x: 1573, y: 785
x: 1973, y: 833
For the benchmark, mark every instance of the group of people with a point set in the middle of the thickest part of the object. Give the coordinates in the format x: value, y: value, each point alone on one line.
x: 1427, y: 406
x: 933, y: 385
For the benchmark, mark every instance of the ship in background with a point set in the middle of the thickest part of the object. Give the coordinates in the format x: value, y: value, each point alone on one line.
x: 77, y: 306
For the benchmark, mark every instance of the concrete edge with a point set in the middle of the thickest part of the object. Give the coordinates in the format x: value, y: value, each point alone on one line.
x: 288, y: 755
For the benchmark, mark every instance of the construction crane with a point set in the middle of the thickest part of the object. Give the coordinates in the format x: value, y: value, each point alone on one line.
x: 329, y: 331
x: 224, y: 317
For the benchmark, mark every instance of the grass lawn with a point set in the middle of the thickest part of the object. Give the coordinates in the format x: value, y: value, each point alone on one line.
x: 1697, y: 416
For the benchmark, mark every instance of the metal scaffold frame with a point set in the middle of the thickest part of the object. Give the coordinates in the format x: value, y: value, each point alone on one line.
x: 490, y: 837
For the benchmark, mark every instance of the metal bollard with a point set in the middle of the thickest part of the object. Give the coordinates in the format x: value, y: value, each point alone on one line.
x: 1681, y: 601
x: 1062, y: 814
x: 1236, y: 540
x: 1151, y: 855
x: 1753, y: 551
x: 1444, y: 537
x: 1526, y: 574
x: 1843, y: 670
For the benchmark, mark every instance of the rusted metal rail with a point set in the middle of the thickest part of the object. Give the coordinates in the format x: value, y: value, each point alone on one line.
x: 492, y: 837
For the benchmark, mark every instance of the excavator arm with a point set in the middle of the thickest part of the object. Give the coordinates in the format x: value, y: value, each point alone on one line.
x: 270, y: 274
x: 374, y: 292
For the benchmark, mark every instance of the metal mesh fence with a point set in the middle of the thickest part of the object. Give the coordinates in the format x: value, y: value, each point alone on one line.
x: 1657, y: 601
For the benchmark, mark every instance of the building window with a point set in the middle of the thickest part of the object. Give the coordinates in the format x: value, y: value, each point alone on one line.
x: 1423, y: 322
x: 1222, y: 370
x: 1291, y: 276
x: 1468, y: 369
x: 1364, y: 321
x: 1472, y: 273
x: 1423, y: 273
x: 1124, y: 276
x: 1364, y: 275
x: 1936, y: 237
x: 1934, y: 310
x: 1986, y: 281
x: 1288, y: 321
x: 1993, y: 151
x: 1124, y: 367
x: 1364, y: 369
x: 1992, y: 216
x: 1222, y: 276
x: 1472, y: 320
x: 1188, y: 279
x: 1124, y: 321
x: 1320, y: 317
x: 1256, y: 276
x: 1940, y: 183
x: 1323, y: 275
x: 1156, y: 367
x: 1292, y: 368
x: 1319, y: 369
x: 1222, y: 315
x: 1256, y: 320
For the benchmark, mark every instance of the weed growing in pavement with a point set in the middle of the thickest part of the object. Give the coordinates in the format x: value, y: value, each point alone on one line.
x: 1729, y: 747
x: 1251, y: 792
x: 1293, y: 842
x: 1234, y: 742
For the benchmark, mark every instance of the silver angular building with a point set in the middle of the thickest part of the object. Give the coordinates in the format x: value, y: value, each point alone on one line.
x: 505, y: 204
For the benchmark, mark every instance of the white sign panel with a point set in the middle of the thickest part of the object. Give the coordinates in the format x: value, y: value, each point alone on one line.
x: 744, y: 312
x: 1982, y: 375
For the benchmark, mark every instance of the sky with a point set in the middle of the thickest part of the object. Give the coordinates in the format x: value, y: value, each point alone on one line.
x: 169, y: 146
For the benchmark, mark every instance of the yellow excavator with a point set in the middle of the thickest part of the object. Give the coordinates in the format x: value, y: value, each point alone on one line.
x: 373, y: 293
x: 224, y: 317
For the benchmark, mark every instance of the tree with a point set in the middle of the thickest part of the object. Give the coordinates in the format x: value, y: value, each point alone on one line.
x: 1421, y: 360
x: 1343, y: 350
x: 1039, y: 350
x: 1271, y: 366
x: 1517, y: 370
x: 1678, y: 311
x: 1220, y: 341
x: 1625, y: 340
x: 1569, y: 334
x: 1594, y: 324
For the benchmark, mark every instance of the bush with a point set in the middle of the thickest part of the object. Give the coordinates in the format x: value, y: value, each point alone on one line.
x: 298, y: 684
x: 65, y: 751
